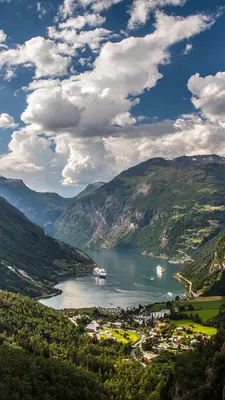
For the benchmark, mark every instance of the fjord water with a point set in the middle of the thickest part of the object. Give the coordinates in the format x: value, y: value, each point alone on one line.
x: 131, y: 280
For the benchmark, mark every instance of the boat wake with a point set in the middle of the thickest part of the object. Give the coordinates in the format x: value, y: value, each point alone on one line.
x: 147, y: 277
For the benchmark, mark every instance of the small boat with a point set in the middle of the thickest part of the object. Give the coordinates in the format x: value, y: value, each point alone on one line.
x: 100, y: 272
x: 160, y: 269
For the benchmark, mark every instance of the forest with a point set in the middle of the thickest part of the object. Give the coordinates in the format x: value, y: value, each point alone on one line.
x: 45, y: 356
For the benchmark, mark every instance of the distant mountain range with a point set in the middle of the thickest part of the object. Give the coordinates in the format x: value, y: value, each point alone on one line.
x: 30, y: 261
x: 166, y: 208
x: 41, y: 208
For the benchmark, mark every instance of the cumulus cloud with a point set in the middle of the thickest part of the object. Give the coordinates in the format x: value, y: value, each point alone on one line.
x: 88, y: 160
x: 121, y: 72
x: 209, y: 96
x: 43, y: 54
x: 50, y: 111
x: 123, y: 119
x: 6, y: 121
x: 91, y: 38
x: 140, y: 10
x: 77, y: 127
x: 81, y: 21
x: 3, y: 36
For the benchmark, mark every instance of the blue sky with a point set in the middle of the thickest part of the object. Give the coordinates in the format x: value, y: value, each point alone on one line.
x: 91, y: 87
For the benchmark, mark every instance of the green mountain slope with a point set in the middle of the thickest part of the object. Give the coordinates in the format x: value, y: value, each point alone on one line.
x: 207, y: 272
x: 161, y: 207
x: 41, y: 208
x: 30, y: 261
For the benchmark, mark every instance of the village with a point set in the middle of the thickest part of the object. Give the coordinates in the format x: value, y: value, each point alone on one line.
x: 147, y: 330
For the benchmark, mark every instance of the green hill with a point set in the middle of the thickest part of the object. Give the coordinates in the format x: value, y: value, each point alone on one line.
x: 30, y: 261
x: 161, y: 207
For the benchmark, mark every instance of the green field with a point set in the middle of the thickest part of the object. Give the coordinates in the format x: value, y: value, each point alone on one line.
x: 205, y: 315
x: 204, y: 303
x: 118, y: 334
x: 196, y: 327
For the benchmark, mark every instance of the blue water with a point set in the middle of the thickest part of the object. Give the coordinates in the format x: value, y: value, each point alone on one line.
x: 131, y: 280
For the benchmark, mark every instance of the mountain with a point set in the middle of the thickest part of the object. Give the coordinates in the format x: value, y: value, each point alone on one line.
x: 161, y: 207
x: 90, y: 189
x: 207, y: 272
x: 41, y: 208
x: 30, y: 261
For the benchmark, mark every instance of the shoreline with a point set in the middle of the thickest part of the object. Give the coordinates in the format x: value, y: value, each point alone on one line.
x: 48, y: 296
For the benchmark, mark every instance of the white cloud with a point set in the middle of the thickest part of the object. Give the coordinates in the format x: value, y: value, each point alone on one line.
x: 85, y: 105
x: 66, y: 9
x: 188, y: 48
x: 87, y: 117
x: 3, y: 36
x: 41, y: 10
x: 123, y: 119
x: 140, y: 10
x: 99, y: 5
x: 50, y: 111
x: 42, y: 53
x: 209, y: 96
x: 91, y: 38
x: 80, y: 21
x: 6, y: 121
x: 88, y: 161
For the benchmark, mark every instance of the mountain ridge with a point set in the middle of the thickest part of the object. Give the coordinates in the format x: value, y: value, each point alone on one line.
x: 31, y: 262
x: 156, y: 208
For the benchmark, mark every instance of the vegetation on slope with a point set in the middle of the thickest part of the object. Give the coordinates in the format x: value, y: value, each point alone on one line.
x: 45, y: 356
x: 207, y: 272
x: 30, y: 261
x: 160, y: 207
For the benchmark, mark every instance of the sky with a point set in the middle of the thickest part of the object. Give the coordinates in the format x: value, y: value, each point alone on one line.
x: 89, y: 88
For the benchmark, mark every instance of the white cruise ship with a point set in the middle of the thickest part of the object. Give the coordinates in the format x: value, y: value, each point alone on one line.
x: 160, y: 269
x: 100, y: 272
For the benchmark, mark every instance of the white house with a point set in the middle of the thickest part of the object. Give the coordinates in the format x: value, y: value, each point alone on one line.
x: 92, y: 327
x: 160, y: 314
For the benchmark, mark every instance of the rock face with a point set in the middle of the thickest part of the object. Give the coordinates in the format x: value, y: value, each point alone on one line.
x: 41, y: 208
x: 162, y: 207
x: 30, y: 261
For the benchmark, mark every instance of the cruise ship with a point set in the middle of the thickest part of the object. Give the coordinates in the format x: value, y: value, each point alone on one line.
x: 100, y: 272
x: 160, y: 269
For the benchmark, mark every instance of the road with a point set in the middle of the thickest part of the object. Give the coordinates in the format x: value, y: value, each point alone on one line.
x: 139, y: 343
x: 186, y: 280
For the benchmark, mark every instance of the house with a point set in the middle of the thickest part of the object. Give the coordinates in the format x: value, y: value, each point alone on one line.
x: 160, y: 314
x: 92, y: 327
x: 117, y: 325
x: 179, y: 328
x: 193, y: 342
